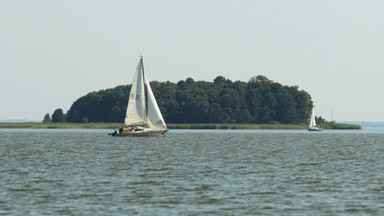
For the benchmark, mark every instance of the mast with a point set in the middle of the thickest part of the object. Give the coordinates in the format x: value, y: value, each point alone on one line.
x: 145, y: 94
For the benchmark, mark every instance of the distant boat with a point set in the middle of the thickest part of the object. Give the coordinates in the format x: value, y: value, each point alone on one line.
x: 143, y: 117
x: 312, y: 123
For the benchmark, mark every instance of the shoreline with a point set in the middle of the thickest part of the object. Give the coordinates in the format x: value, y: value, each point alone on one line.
x: 39, y: 125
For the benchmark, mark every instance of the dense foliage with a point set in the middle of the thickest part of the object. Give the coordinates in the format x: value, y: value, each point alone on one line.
x: 257, y: 101
x: 47, y: 118
x: 58, y: 116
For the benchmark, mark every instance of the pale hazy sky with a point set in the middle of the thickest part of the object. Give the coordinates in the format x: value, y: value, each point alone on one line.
x: 53, y: 52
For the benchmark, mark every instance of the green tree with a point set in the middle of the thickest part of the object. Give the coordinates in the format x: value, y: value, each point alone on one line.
x: 193, y: 105
x: 58, y: 116
x: 286, y: 108
x: 103, y: 106
x: 253, y: 98
x: 47, y: 118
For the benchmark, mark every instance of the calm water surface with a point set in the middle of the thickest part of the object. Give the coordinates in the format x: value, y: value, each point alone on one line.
x: 192, y: 172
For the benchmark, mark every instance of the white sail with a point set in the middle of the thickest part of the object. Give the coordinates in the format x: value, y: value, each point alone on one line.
x: 312, y: 123
x: 312, y: 120
x: 136, y: 114
x: 155, y: 119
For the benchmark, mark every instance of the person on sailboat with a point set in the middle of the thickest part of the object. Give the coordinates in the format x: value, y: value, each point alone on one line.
x: 123, y: 129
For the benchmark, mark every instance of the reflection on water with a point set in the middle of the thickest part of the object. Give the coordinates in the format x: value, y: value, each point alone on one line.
x: 192, y: 172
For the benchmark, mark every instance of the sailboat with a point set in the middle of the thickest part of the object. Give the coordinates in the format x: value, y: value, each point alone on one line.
x: 312, y: 123
x: 143, y: 117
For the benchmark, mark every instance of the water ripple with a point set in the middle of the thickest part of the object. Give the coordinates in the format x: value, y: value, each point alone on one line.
x: 198, y: 172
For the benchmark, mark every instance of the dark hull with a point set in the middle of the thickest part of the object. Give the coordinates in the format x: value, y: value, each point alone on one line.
x: 147, y: 133
x: 315, y: 129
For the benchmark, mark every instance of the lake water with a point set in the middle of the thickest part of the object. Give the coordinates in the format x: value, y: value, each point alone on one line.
x: 192, y: 172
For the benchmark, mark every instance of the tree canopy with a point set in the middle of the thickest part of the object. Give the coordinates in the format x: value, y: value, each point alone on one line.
x: 47, y: 118
x: 259, y: 100
x: 58, y: 116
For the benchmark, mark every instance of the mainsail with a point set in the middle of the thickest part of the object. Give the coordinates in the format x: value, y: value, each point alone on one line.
x: 136, y: 113
x: 312, y: 120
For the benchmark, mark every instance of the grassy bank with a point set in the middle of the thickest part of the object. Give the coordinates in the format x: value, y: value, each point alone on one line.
x: 345, y: 126
x: 37, y: 125
x: 177, y: 126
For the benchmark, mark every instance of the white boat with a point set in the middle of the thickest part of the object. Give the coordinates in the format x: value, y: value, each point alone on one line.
x: 143, y: 117
x: 312, y: 123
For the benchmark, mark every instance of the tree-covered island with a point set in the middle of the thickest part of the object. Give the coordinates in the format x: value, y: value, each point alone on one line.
x: 222, y: 101
x: 258, y: 101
